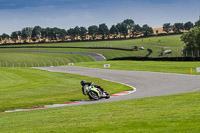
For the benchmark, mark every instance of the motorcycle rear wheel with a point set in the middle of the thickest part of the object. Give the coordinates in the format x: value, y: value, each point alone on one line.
x: 107, y: 95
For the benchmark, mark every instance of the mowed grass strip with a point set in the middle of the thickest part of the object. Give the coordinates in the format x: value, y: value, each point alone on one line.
x: 108, y: 53
x: 168, y: 114
x: 152, y: 66
x: 20, y: 59
x: 28, y: 87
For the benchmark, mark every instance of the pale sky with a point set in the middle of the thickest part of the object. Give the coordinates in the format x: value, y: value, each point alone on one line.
x: 17, y: 14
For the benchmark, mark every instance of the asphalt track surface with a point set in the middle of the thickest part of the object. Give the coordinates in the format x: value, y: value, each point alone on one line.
x: 148, y: 84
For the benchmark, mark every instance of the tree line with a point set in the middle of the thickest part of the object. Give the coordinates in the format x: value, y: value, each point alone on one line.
x: 93, y: 32
x: 124, y: 29
x: 177, y: 27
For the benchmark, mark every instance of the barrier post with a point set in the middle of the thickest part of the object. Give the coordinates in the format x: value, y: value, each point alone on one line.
x: 190, y: 70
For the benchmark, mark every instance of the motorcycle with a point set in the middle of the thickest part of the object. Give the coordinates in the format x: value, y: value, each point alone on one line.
x: 95, y: 93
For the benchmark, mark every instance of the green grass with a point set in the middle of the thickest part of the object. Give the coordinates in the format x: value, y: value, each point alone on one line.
x: 12, y: 59
x: 152, y: 66
x: 28, y: 87
x: 171, y: 42
x: 167, y: 114
x: 108, y: 53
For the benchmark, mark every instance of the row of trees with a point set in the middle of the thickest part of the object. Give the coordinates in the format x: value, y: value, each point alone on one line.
x: 178, y: 27
x: 127, y: 28
x: 123, y: 29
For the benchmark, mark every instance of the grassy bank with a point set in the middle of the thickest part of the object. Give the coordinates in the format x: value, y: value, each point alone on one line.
x: 108, y: 53
x: 25, y: 59
x: 28, y: 87
x: 173, y: 113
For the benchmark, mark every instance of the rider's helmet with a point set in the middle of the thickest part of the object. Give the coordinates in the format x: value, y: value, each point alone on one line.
x: 82, y: 82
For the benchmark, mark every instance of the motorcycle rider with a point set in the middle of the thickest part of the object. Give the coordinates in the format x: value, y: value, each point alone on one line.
x: 84, y: 84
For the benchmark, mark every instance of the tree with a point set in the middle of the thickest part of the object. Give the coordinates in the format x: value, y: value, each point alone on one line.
x: 14, y: 36
x: 188, y: 26
x: 4, y: 37
x: 83, y: 33
x: 147, y: 30
x: 167, y: 27
x: 103, y: 30
x: 136, y: 30
x: 43, y: 33
x: 122, y: 28
x: 129, y: 23
x: 55, y: 33
x: 118, y: 26
x: 93, y: 31
x: 76, y: 32
x: 62, y: 34
x: 197, y: 23
x: 71, y: 33
x: 114, y: 30
x: 51, y: 33
x: 192, y: 40
x: 19, y: 34
x: 48, y: 33
x: 26, y: 33
x: 177, y: 27
x: 36, y: 33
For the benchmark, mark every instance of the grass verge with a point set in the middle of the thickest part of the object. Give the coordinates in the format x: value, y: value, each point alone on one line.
x: 28, y: 87
x: 172, y: 113
x: 152, y: 66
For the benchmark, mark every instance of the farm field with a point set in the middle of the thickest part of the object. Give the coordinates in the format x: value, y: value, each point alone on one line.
x: 172, y: 113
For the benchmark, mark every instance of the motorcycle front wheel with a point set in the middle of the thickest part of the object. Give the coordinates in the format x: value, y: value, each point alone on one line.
x: 93, y: 95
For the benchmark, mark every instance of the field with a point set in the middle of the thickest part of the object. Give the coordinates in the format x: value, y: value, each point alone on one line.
x: 26, y: 87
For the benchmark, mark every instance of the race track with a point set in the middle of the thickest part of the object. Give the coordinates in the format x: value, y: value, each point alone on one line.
x: 148, y: 84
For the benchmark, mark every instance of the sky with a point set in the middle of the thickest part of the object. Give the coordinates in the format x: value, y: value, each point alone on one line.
x: 65, y: 14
